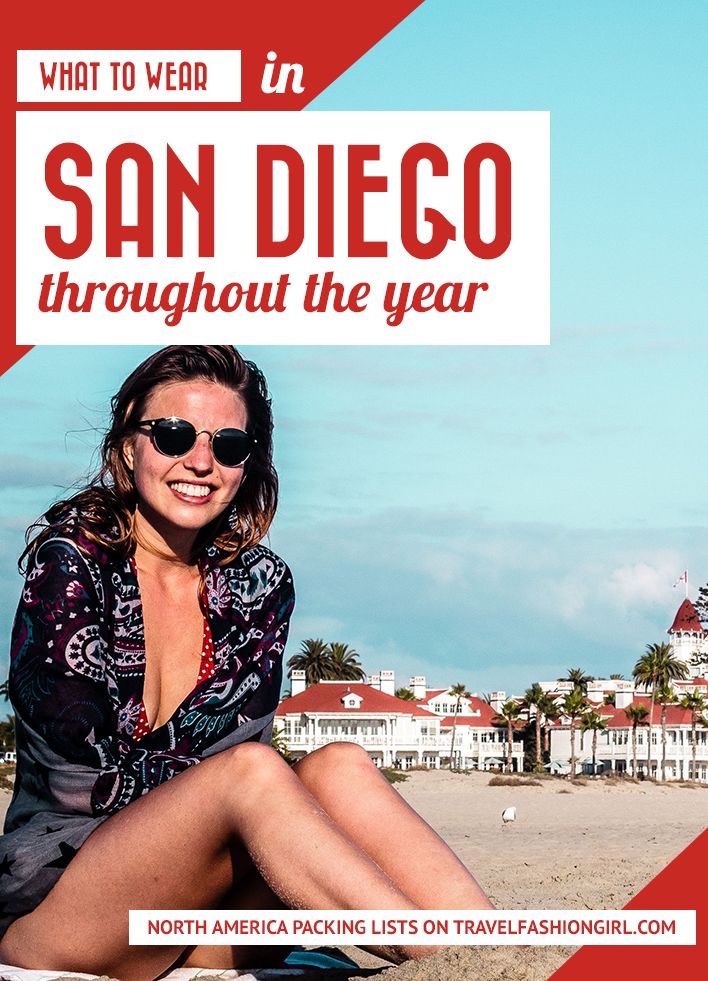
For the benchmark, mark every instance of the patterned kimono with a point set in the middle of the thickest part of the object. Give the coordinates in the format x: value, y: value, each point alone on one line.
x: 76, y: 684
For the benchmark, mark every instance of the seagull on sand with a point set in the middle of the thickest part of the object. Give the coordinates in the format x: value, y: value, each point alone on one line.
x: 508, y: 815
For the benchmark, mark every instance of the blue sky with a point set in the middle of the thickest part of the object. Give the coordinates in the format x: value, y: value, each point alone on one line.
x: 485, y: 515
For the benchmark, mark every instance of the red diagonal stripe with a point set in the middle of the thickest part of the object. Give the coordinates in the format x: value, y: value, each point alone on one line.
x: 325, y: 37
x: 681, y: 885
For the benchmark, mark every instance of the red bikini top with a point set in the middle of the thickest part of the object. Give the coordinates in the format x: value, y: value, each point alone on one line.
x: 206, y: 670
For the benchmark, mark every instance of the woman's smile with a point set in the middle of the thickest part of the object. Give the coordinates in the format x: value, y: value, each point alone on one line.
x: 194, y: 493
x: 180, y: 495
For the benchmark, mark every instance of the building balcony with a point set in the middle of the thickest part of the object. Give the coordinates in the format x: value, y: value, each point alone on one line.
x: 423, y: 744
x: 373, y: 741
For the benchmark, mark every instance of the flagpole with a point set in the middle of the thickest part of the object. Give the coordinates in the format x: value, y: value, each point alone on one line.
x: 684, y: 579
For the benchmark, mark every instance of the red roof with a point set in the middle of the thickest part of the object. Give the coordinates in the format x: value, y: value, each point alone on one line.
x: 484, y: 719
x: 327, y: 697
x: 675, y: 715
x: 617, y: 719
x: 689, y: 684
x: 434, y: 692
x: 476, y: 704
x: 686, y: 619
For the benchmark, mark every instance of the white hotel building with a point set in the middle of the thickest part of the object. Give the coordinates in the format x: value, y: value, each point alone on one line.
x: 393, y: 731
x: 614, y: 745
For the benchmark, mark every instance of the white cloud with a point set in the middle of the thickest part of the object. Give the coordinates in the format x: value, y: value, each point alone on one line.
x: 644, y: 583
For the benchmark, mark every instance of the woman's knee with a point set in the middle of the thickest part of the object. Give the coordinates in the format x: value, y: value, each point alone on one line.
x: 252, y: 762
x: 334, y: 760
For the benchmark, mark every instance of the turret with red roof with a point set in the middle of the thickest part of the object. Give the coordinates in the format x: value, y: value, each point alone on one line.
x: 689, y: 639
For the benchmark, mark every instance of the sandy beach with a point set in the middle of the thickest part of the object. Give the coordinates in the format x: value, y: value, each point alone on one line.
x: 582, y: 845
x: 573, y: 845
x: 577, y: 846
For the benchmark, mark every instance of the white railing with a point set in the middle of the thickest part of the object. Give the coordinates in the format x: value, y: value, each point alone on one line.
x: 302, y: 738
x: 421, y: 744
x: 322, y: 740
x: 624, y: 751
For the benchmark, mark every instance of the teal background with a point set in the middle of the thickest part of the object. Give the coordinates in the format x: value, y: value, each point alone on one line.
x: 485, y: 515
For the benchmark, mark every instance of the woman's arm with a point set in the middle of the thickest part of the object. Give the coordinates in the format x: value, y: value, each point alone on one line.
x: 58, y: 650
x: 59, y: 685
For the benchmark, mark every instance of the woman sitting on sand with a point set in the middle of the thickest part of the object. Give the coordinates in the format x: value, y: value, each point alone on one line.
x: 149, y: 639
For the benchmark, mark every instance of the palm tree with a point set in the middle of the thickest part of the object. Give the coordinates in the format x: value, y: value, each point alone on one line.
x: 459, y: 692
x: 701, y: 605
x: 5, y: 689
x: 593, y: 722
x: 664, y: 696
x: 550, y: 710
x: 533, y: 699
x: 579, y: 679
x: 617, y: 677
x: 696, y: 705
x: 574, y: 707
x: 344, y: 664
x: 508, y: 716
x: 314, y: 658
x: 7, y: 733
x: 279, y: 742
x: 406, y: 694
x: 656, y: 667
x: 636, y: 713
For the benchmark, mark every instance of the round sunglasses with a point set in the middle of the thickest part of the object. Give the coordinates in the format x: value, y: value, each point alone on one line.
x: 175, y: 437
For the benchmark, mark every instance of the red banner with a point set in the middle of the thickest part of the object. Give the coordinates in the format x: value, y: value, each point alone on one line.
x: 326, y: 38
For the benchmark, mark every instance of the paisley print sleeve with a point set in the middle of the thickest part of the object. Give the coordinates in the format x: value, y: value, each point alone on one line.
x: 60, y: 688
x: 57, y: 653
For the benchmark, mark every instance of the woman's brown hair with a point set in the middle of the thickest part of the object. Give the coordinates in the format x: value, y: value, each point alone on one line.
x: 104, y: 510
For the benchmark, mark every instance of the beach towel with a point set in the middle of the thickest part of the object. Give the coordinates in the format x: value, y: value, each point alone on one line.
x: 300, y: 964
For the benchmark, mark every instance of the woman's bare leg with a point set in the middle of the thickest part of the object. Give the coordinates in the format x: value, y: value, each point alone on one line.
x: 359, y: 799
x: 344, y: 781
x: 178, y: 847
x: 251, y: 893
